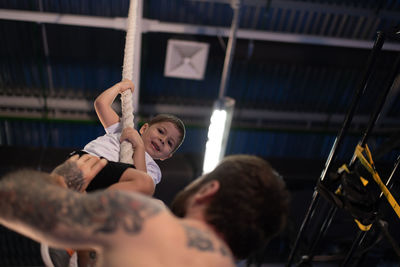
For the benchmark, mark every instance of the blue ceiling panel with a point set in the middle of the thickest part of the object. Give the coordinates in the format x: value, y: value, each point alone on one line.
x: 269, y: 144
x: 48, y: 134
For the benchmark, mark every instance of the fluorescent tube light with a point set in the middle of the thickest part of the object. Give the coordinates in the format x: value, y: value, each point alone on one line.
x: 218, y: 132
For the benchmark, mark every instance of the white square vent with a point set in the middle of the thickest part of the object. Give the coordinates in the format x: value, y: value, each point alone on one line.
x: 186, y: 59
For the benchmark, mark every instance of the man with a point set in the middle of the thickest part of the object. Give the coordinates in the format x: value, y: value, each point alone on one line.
x: 225, y: 214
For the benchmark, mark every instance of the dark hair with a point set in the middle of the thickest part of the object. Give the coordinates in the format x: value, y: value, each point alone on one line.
x: 174, y: 120
x: 251, y: 205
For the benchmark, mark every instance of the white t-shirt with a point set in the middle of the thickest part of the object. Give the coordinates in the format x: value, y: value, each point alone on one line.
x: 108, y: 146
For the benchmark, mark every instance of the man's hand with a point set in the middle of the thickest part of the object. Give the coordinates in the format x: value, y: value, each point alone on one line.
x: 78, y: 172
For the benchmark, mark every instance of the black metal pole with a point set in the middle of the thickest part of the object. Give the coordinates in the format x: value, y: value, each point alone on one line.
x: 389, y: 237
x: 322, y: 231
x: 360, y: 91
x: 381, y: 102
x: 368, y: 131
x: 230, y: 51
x: 396, y: 165
x: 356, y: 243
x: 304, y: 224
x: 333, y: 153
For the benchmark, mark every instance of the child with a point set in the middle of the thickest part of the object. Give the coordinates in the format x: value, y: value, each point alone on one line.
x: 158, y: 140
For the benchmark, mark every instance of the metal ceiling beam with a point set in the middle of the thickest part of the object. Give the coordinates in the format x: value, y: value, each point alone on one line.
x: 18, y: 106
x: 334, y: 8
x: 51, y: 103
x: 156, y: 26
x: 55, y: 18
x: 264, y: 115
x: 181, y: 28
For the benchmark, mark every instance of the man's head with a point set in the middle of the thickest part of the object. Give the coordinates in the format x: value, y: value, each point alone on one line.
x: 249, y: 207
x: 163, y: 135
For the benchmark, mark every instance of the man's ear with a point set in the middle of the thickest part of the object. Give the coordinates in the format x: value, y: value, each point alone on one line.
x: 143, y: 128
x: 167, y: 157
x: 207, y: 191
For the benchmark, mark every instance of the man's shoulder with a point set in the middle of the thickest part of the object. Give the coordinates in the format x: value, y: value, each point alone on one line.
x: 123, y: 212
x: 203, y: 240
x: 173, y: 242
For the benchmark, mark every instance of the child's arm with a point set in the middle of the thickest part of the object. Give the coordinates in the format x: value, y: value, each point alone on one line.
x: 136, y: 181
x: 131, y: 135
x: 103, y: 102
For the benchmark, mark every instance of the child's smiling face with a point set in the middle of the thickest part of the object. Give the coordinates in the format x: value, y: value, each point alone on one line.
x: 160, y: 139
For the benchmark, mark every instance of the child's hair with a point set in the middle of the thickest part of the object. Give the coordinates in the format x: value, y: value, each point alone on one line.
x: 173, y: 119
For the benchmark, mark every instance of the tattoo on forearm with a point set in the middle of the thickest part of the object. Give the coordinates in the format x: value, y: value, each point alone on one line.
x: 30, y: 197
x: 202, y: 241
x: 73, y: 177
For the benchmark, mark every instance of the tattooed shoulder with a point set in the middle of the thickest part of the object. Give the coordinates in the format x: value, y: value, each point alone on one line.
x: 203, y: 241
x: 110, y: 211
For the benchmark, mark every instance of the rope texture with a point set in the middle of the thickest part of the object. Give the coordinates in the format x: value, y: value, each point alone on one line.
x: 126, y: 151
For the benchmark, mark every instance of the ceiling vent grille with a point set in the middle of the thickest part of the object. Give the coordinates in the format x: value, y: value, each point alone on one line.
x: 186, y: 59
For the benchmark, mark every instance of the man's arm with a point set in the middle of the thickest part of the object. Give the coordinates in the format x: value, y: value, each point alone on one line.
x: 34, y: 204
x: 77, y: 172
x: 103, y: 102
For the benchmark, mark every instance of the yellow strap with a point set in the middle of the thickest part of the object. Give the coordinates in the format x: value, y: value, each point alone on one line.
x: 344, y: 168
x: 362, y: 226
x: 370, y: 167
x: 338, y: 191
x: 364, y: 181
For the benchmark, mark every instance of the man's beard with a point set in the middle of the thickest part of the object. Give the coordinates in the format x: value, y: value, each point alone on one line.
x: 178, y: 205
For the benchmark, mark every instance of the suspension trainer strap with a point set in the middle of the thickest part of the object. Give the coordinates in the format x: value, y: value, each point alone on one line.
x: 370, y: 167
x: 346, y: 174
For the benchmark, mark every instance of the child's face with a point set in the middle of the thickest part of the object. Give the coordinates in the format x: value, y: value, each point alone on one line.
x: 160, y: 139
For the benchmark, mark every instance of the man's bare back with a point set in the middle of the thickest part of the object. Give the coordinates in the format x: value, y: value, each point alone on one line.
x: 126, y: 228
x: 178, y: 242
x: 230, y: 211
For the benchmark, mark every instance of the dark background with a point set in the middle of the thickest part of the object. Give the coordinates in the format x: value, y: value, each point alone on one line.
x: 292, y: 86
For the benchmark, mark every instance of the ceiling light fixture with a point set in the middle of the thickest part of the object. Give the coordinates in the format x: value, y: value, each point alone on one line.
x: 222, y: 114
x: 218, y: 133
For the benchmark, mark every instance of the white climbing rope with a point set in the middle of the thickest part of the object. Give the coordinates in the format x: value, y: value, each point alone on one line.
x: 126, y: 150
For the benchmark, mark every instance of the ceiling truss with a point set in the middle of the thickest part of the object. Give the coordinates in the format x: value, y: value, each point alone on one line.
x: 26, y: 106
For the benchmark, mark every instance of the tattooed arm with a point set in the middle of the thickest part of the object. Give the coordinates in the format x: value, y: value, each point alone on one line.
x: 33, y: 204
x: 77, y: 172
